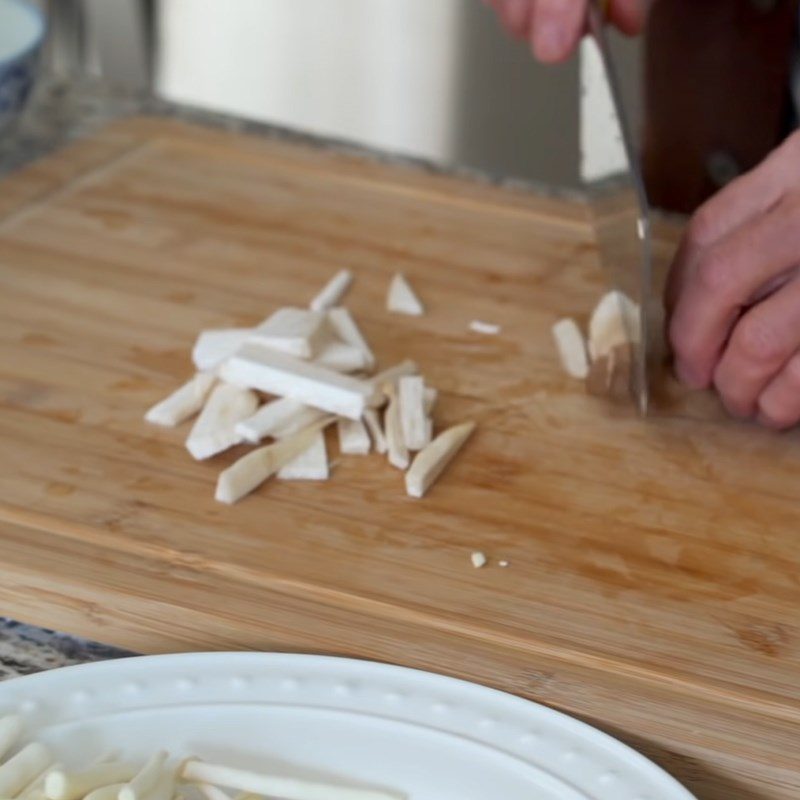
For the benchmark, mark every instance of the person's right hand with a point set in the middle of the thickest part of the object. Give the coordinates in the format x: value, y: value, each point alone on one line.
x: 554, y: 27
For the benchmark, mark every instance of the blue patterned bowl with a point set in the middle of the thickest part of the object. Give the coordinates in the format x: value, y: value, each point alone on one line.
x: 22, y: 29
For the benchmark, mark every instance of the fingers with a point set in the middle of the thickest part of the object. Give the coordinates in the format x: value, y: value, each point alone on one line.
x: 515, y: 16
x: 779, y: 405
x: 557, y: 28
x: 722, y: 279
x: 762, y: 342
x: 628, y: 15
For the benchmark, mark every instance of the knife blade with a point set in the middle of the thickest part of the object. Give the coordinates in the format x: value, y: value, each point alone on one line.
x: 611, y: 167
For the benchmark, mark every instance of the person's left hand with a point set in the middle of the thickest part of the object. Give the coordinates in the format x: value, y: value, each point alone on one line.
x: 734, y: 293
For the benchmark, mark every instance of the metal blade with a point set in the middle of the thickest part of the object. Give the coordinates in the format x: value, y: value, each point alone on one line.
x: 618, y: 197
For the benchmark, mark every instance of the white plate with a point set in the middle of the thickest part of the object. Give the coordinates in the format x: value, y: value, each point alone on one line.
x: 361, y: 723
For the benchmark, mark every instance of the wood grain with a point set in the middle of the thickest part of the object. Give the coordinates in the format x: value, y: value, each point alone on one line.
x: 653, y: 583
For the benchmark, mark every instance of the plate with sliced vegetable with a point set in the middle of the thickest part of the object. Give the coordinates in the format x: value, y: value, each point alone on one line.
x: 240, y: 726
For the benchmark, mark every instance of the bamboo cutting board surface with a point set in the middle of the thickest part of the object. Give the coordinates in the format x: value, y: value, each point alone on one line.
x: 654, y: 579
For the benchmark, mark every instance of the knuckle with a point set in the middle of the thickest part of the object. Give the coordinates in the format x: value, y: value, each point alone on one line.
x: 714, y: 272
x: 757, y: 341
x: 702, y: 227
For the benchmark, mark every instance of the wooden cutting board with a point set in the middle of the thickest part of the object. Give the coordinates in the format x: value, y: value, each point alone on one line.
x: 653, y: 584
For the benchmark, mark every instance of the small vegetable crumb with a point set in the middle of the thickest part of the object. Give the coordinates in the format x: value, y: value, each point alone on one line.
x: 502, y: 564
x: 478, y: 559
x: 486, y: 328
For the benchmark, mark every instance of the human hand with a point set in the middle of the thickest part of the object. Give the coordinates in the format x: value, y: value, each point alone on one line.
x: 734, y: 293
x: 554, y: 27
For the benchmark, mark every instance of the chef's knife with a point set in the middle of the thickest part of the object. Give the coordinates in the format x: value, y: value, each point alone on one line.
x: 610, y: 162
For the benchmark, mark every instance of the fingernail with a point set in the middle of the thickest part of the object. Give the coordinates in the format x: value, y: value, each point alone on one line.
x: 550, y: 41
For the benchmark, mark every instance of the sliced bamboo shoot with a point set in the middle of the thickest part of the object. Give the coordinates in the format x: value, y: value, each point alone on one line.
x: 373, y: 423
x: 341, y: 357
x: 10, y: 731
x: 413, y: 419
x: 212, y: 792
x: 183, y: 403
x: 389, y: 376
x: 63, y: 785
x: 398, y: 452
x: 402, y: 299
x: 297, y: 332
x: 571, y: 348
x: 333, y: 292
x: 343, y: 324
x: 106, y: 792
x: 278, y: 419
x: 310, y: 465
x: 252, y: 470
x: 214, y: 346
x: 485, y: 328
x: 215, y: 428
x: 146, y: 779
x: 284, y: 376
x: 615, y: 321
x: 272, y: 786
x: 353, y: 437
x: 431, y: 461
x: 22, y: 768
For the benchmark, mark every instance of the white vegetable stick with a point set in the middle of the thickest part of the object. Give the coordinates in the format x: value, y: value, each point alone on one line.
x: 36, y: 787
x: 431, y: 461
x: 615, y: 321
x: 310, y: 465
x: 278, y: 419
x: 252, y: 470
x: 390, y: 375
x: 183, y: 403
x: 10, y: 731
x: 413, y: 420
x: 211, y: 792
x: 345, y: 327
x: 297, y: 332
x: 110, y: 792
x: 402, y: 299
x: 22, y: 768
x: 486, y: 328
x: 63, y: 785
x: 353, y: 437
x: 571, y: 348
x: 146, y: 779
x: 373, y: 423
x: 341, y: 357
x: 431, y: 396
x: 284, y: 376
x: 478, y: 559
x: 212, y: 347
x: 215, y: 428
x: 333, y: 291
x: 285, y: 788
x: 398, y: 452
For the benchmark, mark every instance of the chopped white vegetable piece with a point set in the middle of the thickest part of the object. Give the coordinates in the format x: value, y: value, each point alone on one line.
x: 478, y: 559
x: 36, y: 787
x: 615, y: 321
x: 211, y: 792
x: 413, y: 420
x: 333, y: 291
x: 110, y: 792
x: 63, y: 785
x: 310, y: 465
x: 215, y: 428
x: 402, y: 299
x: 183, y: 403
x: 284, y: 376
x: 431, y: 396
x: 341, y: 357
x: 278, y: 419
x: 398, y: 452
x: 297, y: 332
x: 22, y: 768
x: 252, y: 470
x: 345, y: 327
x: 502, y: 564
x: 286, y: 788
x: 486, y: 328
x: 373, y: 423
x: 212, y: 347
x: 10, y: 731
x: 571, y: 348
x: 389, y: 376
x: 431, y: 461
x: 353, y: 437
x: 146, y: 779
